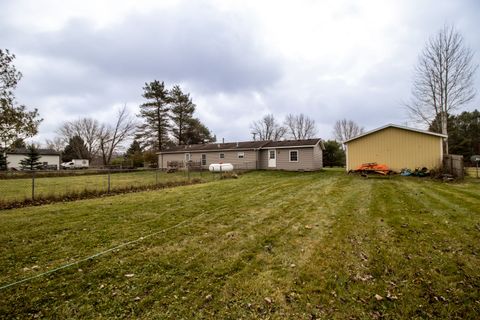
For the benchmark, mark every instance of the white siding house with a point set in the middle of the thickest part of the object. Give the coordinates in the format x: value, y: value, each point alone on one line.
x: 48, y: 157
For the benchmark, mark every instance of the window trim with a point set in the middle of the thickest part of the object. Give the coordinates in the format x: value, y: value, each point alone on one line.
x: 220, y: 155
x: 203, y: 159
x: 290, y: 155
x: 241, y: 153
x: 270, y: 154
x: 188, y: 156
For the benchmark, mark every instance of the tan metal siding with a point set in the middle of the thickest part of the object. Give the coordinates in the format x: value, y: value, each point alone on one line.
x: 396, y: 148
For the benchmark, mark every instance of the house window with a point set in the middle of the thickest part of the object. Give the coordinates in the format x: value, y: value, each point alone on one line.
x: 222, y: 155
x: 188, y: 157
x: 241, y: 155
x: 204, y: 159
x: 293, y: 155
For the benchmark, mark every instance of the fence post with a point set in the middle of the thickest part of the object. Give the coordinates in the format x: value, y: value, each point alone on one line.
x: 108, y: 187
x: 156, y: 176
x: 188, y: 172
x: 33, y: 185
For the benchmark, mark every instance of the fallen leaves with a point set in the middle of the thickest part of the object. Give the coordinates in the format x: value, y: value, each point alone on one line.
x: 378, y: 297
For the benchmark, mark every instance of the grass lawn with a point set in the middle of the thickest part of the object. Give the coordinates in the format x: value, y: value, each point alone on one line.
x: 20, y: 189
x: 269, y: 245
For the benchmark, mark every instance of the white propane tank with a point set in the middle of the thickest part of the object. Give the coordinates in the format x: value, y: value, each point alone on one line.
x: 220, y: 167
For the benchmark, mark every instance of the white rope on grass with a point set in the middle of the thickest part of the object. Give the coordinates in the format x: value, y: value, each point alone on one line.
x: 98, y: 254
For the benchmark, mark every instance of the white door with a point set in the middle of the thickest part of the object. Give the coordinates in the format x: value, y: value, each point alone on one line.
x: 272, y: 158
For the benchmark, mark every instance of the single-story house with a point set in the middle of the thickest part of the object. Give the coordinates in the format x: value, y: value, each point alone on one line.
x: 396, y: 146
x: 291, y: 155
x: 48, y: 157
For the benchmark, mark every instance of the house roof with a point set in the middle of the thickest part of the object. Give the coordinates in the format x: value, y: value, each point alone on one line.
x: 390, y: 125
x: 243, y: 145
x: 40, y: 151
x: 292, y: 143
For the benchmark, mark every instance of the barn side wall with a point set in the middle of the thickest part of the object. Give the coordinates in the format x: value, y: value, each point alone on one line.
x: 397, y: 148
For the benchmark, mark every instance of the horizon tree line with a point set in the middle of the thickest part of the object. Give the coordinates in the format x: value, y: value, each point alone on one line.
x: 443, y: 84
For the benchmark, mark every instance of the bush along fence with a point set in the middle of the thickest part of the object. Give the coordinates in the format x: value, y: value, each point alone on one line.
x: 37, y: 187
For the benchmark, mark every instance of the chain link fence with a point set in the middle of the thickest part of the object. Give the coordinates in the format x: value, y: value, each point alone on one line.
x: 20, y: 186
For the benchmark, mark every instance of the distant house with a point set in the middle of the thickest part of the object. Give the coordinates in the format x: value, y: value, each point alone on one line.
x: 48, y: 157
x: 291, y: 155
x: 396, y: 146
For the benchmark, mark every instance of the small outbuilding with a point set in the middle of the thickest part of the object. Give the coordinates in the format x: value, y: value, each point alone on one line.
x: 48, y: 157
x: 396, y: 146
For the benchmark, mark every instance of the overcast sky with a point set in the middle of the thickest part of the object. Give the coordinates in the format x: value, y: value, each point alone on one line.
x: 239, y: 59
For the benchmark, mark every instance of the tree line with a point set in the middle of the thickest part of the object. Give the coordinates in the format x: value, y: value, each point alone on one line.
x: 165, y: 119
x: 293, y: 127
x: 443, y: 84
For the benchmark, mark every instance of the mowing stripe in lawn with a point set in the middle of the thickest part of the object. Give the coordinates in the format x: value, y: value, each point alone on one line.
x: 96, y: 255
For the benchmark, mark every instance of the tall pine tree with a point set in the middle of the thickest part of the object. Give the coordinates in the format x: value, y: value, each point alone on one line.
x: 197, y: 132
x: 75, y: 149
x: 135, y: 154
x: 31, y: 161
x: 154, y: 130
x: 182, y: 109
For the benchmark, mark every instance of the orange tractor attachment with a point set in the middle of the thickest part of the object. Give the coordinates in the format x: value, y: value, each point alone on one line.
x: 373, y: 167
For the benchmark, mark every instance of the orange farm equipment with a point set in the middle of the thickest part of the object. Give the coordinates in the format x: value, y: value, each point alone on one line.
x: 372, y: 167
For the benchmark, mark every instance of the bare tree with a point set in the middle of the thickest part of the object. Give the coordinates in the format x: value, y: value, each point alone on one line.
x: 346, y: 129
x: 90, y: 130
x: 443, y: 80
x: 57, y: 144
x: 267, y: 128
x: 300, y: 126
x: 111, y: 137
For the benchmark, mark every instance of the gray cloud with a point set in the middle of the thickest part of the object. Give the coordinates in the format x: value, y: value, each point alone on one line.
x: 233, y: 73
x: 200, y: 45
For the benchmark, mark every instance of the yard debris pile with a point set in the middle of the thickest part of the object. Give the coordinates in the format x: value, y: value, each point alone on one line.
x: 418, y: 172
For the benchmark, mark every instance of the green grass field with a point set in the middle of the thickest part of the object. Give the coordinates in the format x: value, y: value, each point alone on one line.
x: 268, y: 245
x: 20, y: 189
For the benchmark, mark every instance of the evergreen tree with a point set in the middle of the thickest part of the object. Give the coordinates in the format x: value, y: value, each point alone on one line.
x: 465, y: 138
x: 135, y: 154
x: 3, y: 161
x: 333, y: 155
x: 197, y: 132
x: 182, y: 109
x: 75, y: 149
x: 463, y: 133
x: 154, y: 130
x: 134, y: 147
x: 31, y: 161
